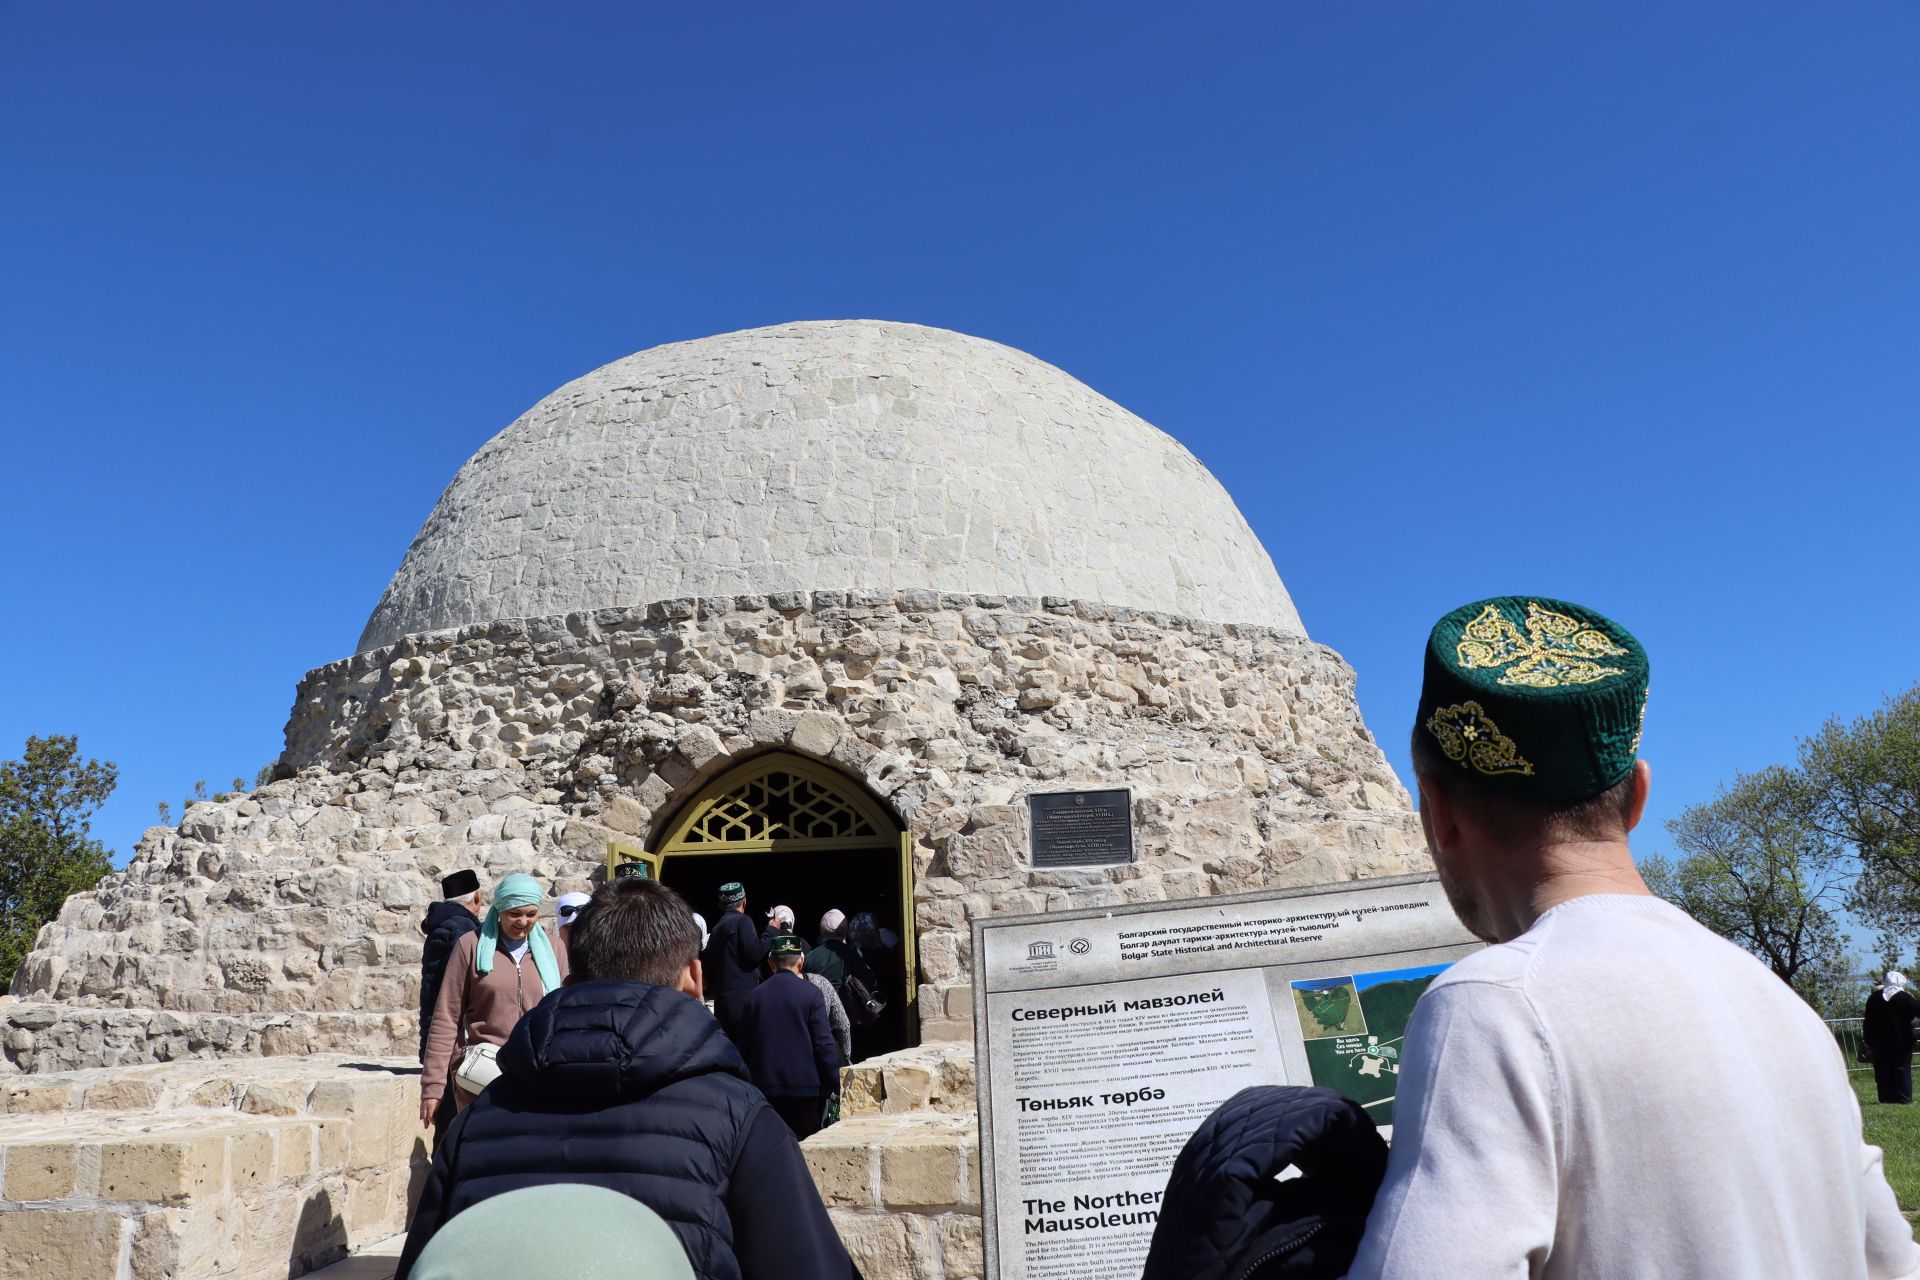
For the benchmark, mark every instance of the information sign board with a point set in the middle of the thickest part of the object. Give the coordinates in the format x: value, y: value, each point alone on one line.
x: 1106, y: 1035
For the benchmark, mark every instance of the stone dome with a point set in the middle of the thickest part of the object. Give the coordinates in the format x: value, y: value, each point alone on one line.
x: 831, y: 455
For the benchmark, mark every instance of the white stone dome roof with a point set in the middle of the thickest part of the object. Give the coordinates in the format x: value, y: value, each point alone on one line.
x: 832, y: 455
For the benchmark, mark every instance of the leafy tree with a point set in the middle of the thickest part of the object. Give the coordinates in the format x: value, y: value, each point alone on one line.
x: 1756, y: 868
x: 47, y: 797
x: 1863, y: 787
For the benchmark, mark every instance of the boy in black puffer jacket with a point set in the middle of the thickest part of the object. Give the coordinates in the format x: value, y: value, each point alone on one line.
x: 624, y: 1080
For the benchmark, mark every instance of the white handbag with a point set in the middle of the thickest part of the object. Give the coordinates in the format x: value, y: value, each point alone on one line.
x: 479, y: 1067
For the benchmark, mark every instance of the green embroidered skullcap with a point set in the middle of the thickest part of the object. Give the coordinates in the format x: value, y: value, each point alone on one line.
x: 731, y: 892
x: 787, y: 945
x: 1537, y: 697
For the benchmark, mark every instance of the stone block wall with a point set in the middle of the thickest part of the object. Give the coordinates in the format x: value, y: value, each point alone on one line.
x: 199, y: 1171
x: 900, y: 1172
x: 287, y: 920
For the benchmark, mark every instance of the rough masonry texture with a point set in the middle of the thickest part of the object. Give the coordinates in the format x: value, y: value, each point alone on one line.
x: 838, y: 454
x: 286, y: 920
x: 937, y: 566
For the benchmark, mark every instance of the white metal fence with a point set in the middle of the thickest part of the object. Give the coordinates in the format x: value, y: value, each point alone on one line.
x: 1847, y: 1032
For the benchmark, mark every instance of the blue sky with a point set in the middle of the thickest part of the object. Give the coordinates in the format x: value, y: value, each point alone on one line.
x: 1611, y: 302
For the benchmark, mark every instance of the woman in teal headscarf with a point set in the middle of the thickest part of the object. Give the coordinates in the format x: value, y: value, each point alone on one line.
x: 493, y: 977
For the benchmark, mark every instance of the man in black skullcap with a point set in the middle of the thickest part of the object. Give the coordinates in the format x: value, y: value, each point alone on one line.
x: 446, y: 922
x: 734, y: 952
x: 1608, y: 1089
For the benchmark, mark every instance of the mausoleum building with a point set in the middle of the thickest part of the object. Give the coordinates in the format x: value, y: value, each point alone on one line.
x: 819, y: 607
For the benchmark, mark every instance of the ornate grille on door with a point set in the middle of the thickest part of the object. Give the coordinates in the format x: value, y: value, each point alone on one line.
x: 785, y: 803
x: 779, y: 805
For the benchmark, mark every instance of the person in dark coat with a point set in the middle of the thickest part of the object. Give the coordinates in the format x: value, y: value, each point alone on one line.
x: 1225, y: 1215
x: 787, y: 1042
x: 1887, y: 1027
x: 864, y: 958
x: 824, y: 961
x: 733, y: 956
x: 623, y: 1081
x: 447, y: 921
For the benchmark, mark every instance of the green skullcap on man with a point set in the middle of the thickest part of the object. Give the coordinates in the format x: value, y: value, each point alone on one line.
x: 1534, y: 697
x: 731, y: 892
x: 786, y: 944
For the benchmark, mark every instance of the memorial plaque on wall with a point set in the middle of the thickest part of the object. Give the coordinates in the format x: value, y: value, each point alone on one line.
x: 1105, y: 1035
x: 1080, y: 828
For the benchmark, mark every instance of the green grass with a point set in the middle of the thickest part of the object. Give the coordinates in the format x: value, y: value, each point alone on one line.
x: 1896, y: 1131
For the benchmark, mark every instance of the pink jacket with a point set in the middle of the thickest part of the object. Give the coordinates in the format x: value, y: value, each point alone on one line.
x: 473, y: 1009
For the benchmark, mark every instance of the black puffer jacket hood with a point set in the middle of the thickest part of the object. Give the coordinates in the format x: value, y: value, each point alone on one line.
x: 1225, y: 1218
x: 622, y: 1085
x: 441, y: 912
x: 601, y: 1043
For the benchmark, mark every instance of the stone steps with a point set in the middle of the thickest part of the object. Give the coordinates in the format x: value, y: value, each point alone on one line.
x: 205, y: 1171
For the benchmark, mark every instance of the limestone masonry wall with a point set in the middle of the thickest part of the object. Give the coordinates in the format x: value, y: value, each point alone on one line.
x: 205, y: 1171
x: 286, y: 920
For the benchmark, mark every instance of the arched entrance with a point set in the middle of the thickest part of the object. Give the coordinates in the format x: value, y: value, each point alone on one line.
x: 799, y: 833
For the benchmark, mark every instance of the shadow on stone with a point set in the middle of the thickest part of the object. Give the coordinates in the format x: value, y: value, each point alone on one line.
x: 320, y: 1239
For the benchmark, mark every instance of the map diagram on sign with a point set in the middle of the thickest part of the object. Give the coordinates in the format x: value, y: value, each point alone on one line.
x: 1355, y: 1027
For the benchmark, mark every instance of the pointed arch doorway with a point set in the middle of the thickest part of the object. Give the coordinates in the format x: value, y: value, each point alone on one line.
x: 798, y: 833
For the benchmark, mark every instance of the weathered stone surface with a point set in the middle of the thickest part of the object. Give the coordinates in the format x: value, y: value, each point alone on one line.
x: 1249, y: 767
x: 931, y: 1169
x: 37, y: 1243
x: 854, y: 455
x: 197, y: 1187
x: 161, y: 1169
x: 40, y: 1172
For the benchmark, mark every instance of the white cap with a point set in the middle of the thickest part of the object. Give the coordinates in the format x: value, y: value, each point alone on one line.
x: 702, y: 922
x: 568, y: 905
x: 1895, y: 978
x: 830, y: 922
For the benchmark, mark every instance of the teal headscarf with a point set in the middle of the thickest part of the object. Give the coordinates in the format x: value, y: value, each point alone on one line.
x: 516, y: 891
x: 592, y: 1232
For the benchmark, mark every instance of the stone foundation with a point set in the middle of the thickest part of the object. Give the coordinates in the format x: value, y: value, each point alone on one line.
x: 198, y: 1171
x: 271, y: 1168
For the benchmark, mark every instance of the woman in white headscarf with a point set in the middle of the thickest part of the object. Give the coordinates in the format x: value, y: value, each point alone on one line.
x: 1887, y: 1027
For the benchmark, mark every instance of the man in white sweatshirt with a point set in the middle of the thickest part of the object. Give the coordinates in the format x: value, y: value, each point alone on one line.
x: 1608, y: 1090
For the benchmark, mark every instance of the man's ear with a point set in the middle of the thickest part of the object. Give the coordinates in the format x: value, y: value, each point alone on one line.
x: 1438, y: 816
x: 691, y: 982
x: 1642, y: 788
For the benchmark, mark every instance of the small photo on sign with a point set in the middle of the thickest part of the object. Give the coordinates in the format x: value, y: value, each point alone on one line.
x: 1328, y: 1007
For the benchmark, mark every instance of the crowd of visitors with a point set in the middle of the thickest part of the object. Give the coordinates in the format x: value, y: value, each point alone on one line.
x: 621, y: 1079
x: 598, y: 1043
